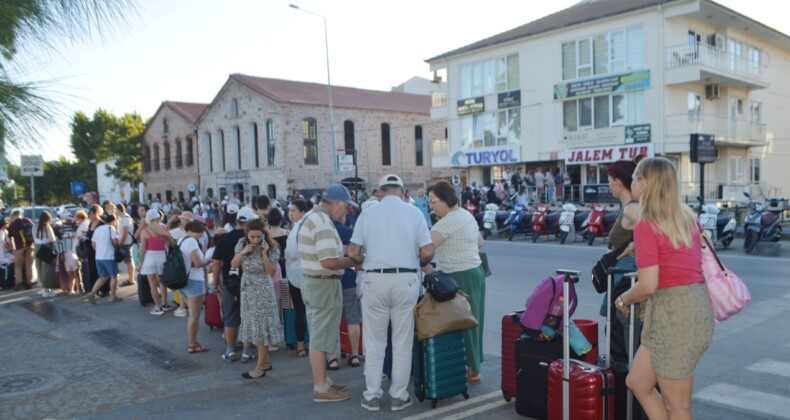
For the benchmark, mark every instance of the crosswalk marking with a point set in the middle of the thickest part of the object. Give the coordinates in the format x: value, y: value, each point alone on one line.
x: 746, y: 400
x: 773, y: 367
x: 483, y: 408
x: 453, y: 407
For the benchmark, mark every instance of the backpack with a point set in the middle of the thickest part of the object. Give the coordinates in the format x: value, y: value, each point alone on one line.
x: 26, y: 234
x: 174, y: 275
x: 539, y: 303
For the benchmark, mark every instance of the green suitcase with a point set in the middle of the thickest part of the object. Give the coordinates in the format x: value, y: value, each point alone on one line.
x: 439, y: 367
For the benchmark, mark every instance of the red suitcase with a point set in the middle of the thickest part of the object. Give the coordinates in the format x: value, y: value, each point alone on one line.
x: 213, y: 313
x: 586, y: 390
x: 511, y: 329
x: 345, y: 343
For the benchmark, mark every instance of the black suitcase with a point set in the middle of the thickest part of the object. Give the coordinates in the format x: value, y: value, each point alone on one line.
x: 533, y: 358
x: 144, y: 290
x: 7, y: 276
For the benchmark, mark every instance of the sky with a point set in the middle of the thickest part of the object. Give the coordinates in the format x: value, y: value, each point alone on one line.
x: 185, y: 50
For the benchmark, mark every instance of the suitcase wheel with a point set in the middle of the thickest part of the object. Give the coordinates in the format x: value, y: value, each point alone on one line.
x: 506, y: 396
x: 421, y: 399
x: 466, y: 395
x: 433, y: 403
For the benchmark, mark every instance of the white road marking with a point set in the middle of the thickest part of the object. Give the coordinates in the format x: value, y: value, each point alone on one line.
x: 773, y: 367
x: 474, y: 400
x: 752, y: 315
x: 478, y: 410
x: 746, y: 400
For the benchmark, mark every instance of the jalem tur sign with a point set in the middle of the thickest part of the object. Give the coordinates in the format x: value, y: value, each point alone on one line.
x: 488, y: 156
x: 607, y: 154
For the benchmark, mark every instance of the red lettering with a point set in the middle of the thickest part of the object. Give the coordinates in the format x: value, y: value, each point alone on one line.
x: 607, y: 154
x: 642, y: 151
x: 587, y: 157
x: 623, y: 151
x: 597, y: 155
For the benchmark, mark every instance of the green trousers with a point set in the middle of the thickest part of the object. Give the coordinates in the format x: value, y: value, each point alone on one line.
x: 473, y: 283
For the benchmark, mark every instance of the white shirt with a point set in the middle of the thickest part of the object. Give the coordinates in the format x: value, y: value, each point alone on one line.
x: 539, y: 178
x: 177, y: 233
x: 459, y: 251
x: 82, y: 229
x: 126, y: 221
x: 46, y: 236
x: 293, y: 262
x: 102, y: 238
x: 187, y: 245
x: 392, y: 233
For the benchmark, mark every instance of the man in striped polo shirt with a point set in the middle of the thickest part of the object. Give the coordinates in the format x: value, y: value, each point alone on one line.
x: 321, y: 254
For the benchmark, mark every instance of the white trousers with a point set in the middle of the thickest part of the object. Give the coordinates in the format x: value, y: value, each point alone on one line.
x: 385, y: 298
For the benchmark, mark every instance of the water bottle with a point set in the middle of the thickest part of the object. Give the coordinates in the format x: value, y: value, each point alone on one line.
x: 552, y: 321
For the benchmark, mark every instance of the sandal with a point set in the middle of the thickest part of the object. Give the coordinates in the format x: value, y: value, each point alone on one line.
x: 247, y: 375
x: 332, y: 364
x: 125, y: 283
x: 197, y: 349
x: 301, y: 352
x: 353, y: 361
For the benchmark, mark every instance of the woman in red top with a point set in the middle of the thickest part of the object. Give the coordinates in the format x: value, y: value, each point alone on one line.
x: 678, y: 317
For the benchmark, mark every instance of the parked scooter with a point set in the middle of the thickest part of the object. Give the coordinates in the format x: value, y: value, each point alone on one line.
x: 598, y: 223
x: 567, y: 226
x: 489, y: 220
x: 471, y: 207
x: 762, y: 222
x: 719, y: 226
x: 544, y: 223
x: 515, y: 221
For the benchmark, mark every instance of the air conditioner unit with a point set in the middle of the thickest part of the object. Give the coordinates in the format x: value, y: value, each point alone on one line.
x: 716, y: 41
x: 711, y: 91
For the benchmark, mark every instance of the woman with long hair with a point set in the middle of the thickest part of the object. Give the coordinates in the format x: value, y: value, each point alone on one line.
x: 678, y: 317
x: 197, y: 283
x: 45, y: 238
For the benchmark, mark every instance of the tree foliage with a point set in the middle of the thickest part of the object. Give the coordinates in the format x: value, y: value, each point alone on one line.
x: 106, y: 136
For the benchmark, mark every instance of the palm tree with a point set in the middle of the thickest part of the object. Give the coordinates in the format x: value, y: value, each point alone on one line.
x: 26, y: 106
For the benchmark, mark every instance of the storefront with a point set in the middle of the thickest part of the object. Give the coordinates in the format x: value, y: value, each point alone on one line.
x: 592, y: 163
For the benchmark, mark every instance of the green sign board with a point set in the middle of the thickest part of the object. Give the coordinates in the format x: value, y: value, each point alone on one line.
x: 602, y: 85
x: 639, y: 133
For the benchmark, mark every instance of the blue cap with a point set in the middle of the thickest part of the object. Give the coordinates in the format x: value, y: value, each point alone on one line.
x: 339, y: 192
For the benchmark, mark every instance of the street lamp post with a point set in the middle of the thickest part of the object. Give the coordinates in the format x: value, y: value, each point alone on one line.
x: 328, y: 90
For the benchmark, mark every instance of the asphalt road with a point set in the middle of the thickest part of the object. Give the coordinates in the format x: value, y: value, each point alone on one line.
x: 63, y: 358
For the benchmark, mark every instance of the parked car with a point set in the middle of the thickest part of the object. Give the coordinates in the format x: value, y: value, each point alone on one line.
x: 61, y: 209
x: 33, y: 212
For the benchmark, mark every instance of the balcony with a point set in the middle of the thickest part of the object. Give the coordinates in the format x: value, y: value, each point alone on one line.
x: 728, y: 131
x: 702, y: 63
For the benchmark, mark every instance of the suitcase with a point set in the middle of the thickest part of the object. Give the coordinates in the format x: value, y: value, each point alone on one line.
x: 7, y: 276
x: 577, y: 389
x: 439, y: 367
x: 213, y: 314
x: 511, y: 329
x: 289, y: 328
x: 345, y: 343
x: 144, y: 290
x: 532, y: 373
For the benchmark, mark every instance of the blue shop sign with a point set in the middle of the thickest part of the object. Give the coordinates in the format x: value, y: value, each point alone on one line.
x: 487, y: 156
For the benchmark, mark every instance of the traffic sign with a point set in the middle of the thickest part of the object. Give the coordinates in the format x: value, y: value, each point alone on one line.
x: 32, y: 165
x: 345, y: 163
x: 77, y: 188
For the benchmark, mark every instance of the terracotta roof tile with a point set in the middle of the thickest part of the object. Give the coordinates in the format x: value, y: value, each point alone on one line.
x: 188, y: 110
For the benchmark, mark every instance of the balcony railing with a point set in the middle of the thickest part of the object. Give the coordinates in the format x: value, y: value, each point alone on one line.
x: 438, y: 99
x: 726, y: 129
x: 717, y: 59
x: 440, y: 148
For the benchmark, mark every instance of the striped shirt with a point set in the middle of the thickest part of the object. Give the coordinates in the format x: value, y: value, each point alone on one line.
x: 459, y: 251
x: 318, y: 240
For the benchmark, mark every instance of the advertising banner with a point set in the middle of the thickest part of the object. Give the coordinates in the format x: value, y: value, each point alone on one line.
x: 607, y: 154
x: 600, y: 85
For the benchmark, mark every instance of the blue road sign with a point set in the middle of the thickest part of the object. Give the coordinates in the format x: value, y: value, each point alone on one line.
x: 77, y: 188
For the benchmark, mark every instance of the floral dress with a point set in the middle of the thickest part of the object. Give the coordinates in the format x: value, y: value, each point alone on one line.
x: 260, y: 323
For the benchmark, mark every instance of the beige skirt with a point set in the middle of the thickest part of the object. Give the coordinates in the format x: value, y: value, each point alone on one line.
x: 678, y: 327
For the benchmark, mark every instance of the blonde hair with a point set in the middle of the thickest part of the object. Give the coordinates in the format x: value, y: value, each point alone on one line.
x: 660, y: 203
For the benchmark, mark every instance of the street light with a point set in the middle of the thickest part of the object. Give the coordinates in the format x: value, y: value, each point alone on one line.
x: 328, y: 89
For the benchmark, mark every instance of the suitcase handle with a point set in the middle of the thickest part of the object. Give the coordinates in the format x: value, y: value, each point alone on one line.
x: 569, y: 277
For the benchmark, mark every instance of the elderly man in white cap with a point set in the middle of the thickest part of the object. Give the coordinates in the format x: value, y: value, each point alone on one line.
x: 396, y: 243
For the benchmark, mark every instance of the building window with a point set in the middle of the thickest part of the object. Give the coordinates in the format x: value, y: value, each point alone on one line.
x: 237, y: 145
x: 234, y: 108
x: 348, y: 137
x: 509, y: 123
x: 756, y: 113
x: 256, y: 158
x: 270, y: 143
x: 499, y: 74
x: 386, y: 146
x: 179, y: 154
x: 221, y: 151
x: 754, y: 170
x: 310, y: 139
x: 418, y: 146
x: 210, y: 192
x: 694, y: 106
x: 602, y: 111
x: 208, y: 159
x: 736, y: 169
x: 166, y: 148
x: 479, y: 130
x: 255, y: 191
x: 156, y: 157
x: 736, y: 108
x: 189, y: 155
x: 165, y: 126
x: 610, y: 52
x: 146, y: 159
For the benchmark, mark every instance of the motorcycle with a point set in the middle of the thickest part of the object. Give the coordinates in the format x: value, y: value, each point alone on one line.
x: 568, y: 222
x: 489, y: 219
x: 762, y: 222
x: 471, y: 207
x: 719, y: 226
x: 544, y: 223
x: 598, y: 223
x: 515, y: 221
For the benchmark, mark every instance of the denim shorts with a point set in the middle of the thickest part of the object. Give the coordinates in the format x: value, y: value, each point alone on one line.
x: 193, y: 288
x: 107, y: 268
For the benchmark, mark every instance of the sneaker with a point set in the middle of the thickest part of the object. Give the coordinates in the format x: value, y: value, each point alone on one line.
x: 180, y: 312
x: 42, y: 292
x: 167, y: 308
x: 339, y: 387
x: 372, y: 404
x: 229, y: 356
x: 247, y: 356
x: 47, y: 294
x: 399, y: 404
x: 331, y: 395
x: 157, y: 311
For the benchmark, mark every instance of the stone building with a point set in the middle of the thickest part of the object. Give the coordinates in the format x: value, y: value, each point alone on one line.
x: 273, y: 137
x: 170, y: 166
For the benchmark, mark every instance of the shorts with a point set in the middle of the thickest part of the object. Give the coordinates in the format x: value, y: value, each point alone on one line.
x: 352, y: 310
x: 231, y: 310
x: 193, y: 288
x: 127, y: 253
x: 107, y: 268
x: 154, y: 263
x: 70, y: 261
x: 323, y: 301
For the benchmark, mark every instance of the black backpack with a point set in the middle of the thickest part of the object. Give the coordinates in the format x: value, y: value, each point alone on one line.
x: 174, y: 275
x: 27, y: 233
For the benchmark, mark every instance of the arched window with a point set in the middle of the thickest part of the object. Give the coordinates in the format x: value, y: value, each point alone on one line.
x: 221, y: 151
x: 310, y: 140
x: 256, y: 157
x: 237, y: 146
x: 189, y: 154
x: 156, y: 157
x: 418, y: 155
x: 179, y: 154
x: 147, y: 159
x: 208, y: 147
x: 386, y: 149
x: 165, y: 126
x: 270, y: 142
x: 348, y: 136
x: 234, y: 108
x: 166, y: 147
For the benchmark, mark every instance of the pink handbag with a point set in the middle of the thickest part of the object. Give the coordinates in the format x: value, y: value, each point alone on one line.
x: 728, y: 293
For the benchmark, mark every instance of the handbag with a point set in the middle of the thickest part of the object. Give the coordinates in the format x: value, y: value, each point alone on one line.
x: 46, y: 253
x: 440, y: 285
x: 599, y: 271
x: 233, y: 282
x: 434, y: 318
x: 83, y: 248
x: 486, y: 266
x: 119, y: 255
x: 728, y: 294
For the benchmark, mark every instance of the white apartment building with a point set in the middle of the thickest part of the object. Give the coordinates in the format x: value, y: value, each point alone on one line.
x: 611, y: 79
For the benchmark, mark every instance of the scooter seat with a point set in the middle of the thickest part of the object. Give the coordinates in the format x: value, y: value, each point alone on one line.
x: 553, y: 217
x: 768, y: 218
x: 580, y: 217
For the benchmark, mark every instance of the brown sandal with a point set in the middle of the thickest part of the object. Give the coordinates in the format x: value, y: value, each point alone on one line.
x: 301, y: 352
x: 197, y: 349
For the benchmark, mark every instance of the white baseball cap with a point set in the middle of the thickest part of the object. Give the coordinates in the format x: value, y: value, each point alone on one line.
x: 245, y: 215
x: 232, y: 208
x: 391, y: 179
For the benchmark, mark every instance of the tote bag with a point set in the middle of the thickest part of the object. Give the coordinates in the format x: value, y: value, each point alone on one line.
x: 728, y: 294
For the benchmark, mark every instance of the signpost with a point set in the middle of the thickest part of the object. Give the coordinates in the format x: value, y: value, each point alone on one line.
x: 702, y: 150
x: 32, y: 166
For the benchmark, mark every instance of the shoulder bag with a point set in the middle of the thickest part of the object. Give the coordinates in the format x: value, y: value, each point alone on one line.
x: 440, y: 285
x: 728, y: 294
x: 599, y: 271
x: 46, y: 253
x: 434, y: 318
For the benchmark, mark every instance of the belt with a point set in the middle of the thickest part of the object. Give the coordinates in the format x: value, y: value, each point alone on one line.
x: 392, y: 270
x: 324, y: 276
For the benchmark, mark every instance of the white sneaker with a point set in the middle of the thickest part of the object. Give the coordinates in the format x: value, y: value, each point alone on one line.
x: 180, y: 312
x: 42, y: 292
x: 157, y: 311
x: 47, y: 294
